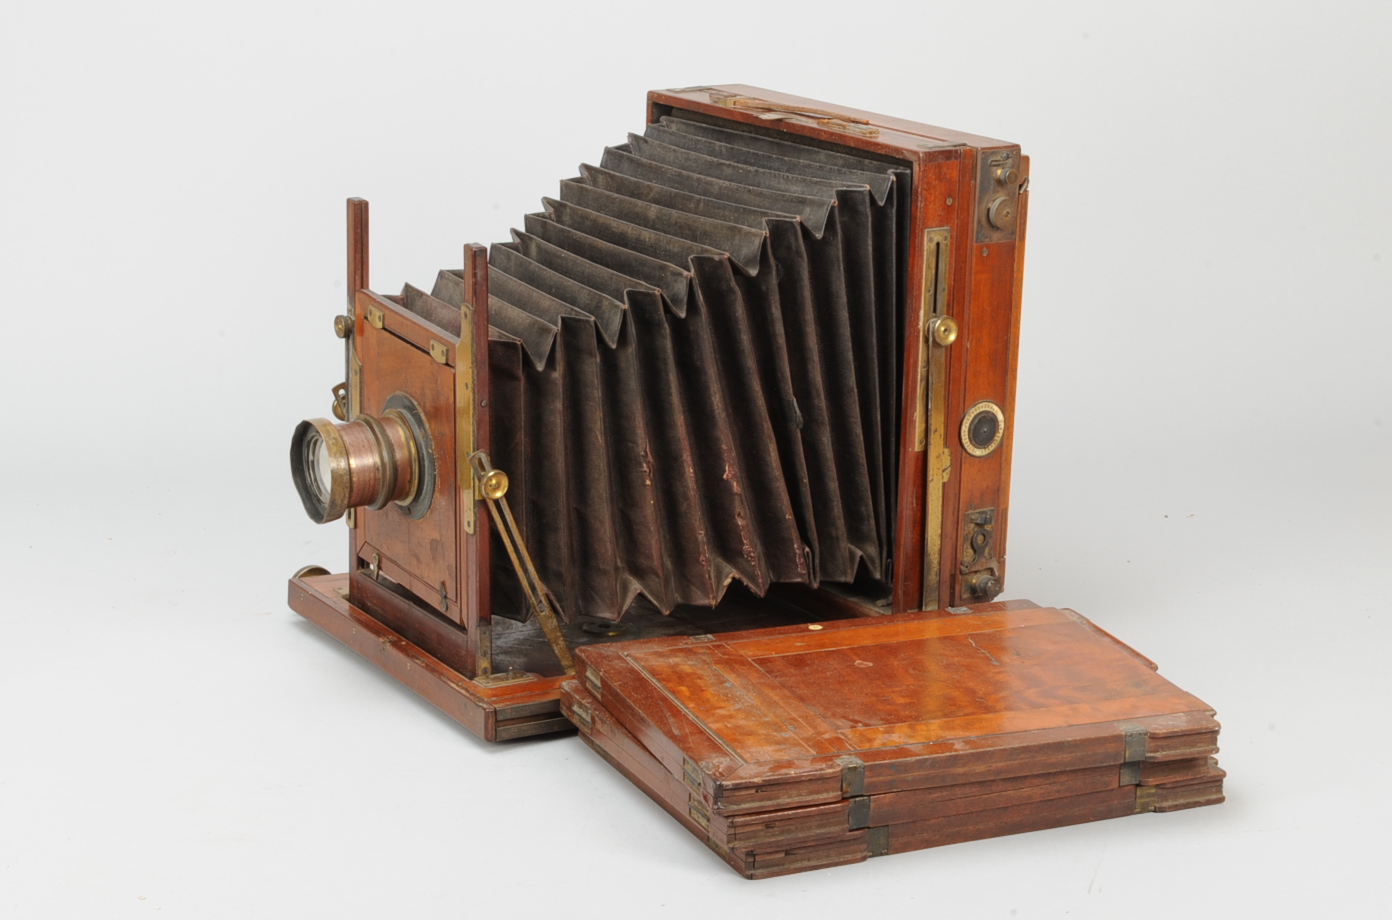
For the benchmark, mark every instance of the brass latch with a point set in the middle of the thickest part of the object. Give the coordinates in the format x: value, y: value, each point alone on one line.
x: 493, y: 484
x: 340, y: 403
x: 981, y: 570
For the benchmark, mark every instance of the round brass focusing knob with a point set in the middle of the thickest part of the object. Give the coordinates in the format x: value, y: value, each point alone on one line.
x: 943, y: 330
x: 1000, y: 213
x: 1008, y: 175
x: 494, y: 485
x: 342, y: 326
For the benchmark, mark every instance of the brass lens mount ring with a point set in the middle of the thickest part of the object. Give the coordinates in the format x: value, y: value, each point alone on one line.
x: 320, y: 503
x: 371, y: 462
x: 983, y: 428
x: 420, y: 492
x: 384, y: 462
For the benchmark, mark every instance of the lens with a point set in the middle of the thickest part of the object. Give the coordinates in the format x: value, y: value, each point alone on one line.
x: 369, y: 462
x: 318, y: 472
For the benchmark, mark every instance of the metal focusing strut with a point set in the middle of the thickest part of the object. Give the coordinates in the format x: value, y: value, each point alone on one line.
x: 493, y: 484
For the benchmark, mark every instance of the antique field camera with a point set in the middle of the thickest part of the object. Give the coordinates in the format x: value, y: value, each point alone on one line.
x: 711, y: 461
x: 756, y: 366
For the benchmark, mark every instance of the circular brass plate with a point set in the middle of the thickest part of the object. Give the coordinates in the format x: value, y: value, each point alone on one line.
x: 422, y: 492
x: 983, y: 427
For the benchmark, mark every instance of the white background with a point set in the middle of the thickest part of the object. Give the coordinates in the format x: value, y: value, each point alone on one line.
x: 1202, y: 453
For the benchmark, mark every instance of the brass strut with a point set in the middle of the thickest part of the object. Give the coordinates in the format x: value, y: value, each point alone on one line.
x: 494, y: 485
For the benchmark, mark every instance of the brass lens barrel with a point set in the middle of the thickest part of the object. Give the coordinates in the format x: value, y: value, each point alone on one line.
x: 368, y: 462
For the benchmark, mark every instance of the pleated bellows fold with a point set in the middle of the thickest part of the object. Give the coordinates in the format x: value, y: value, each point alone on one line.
x: 694, y: 370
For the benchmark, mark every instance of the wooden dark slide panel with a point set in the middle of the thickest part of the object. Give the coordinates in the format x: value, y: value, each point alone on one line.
x: 911, y: 697
x: 790, y: 840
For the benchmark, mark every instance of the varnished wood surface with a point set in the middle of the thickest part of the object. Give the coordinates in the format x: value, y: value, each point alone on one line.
x: 800, y: 824
x: 416, y: 553
x: 920, y: 699
x: 473, y: 559
x: 495, y: 712
x: 937, y: 180
x: 782, y: 841
x: 898, y: 137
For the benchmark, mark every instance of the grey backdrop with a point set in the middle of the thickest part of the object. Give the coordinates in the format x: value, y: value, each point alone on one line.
x: 1201, y: 457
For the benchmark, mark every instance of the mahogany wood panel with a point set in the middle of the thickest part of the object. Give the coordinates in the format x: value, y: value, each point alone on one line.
x: 789, y: 826
x: 474, y: 549
x: 422, y: 552
x: 357, y: 264
x: 442, y: 639
x: 409, y: 327
x: 782, y: 841
x: 500, y: 712
x: 772, y: 715
x: 1007, y: 447
x: 937, y: 181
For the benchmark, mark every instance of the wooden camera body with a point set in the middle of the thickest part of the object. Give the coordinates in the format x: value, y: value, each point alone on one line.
x: 712, y: 461
x: 957, y: 300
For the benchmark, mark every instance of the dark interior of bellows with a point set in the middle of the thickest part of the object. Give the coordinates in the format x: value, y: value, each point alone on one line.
x: 695, y: 363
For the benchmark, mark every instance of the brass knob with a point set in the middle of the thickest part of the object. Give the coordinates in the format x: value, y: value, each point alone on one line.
x: 984, y: 584
x: 943, y: 330
x: 494, y: 485
x: 1008, y: 175
x: 342, y: 326
x: 1000, y: 213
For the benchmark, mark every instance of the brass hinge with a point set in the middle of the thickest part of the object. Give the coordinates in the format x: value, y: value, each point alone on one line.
x: 852, y: 777
x: 581, y: 716
x: 439, y: 352
x: 699, y: 811
x: 858, y: 814
x: 1135, y: 750
x: 375, y: 318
